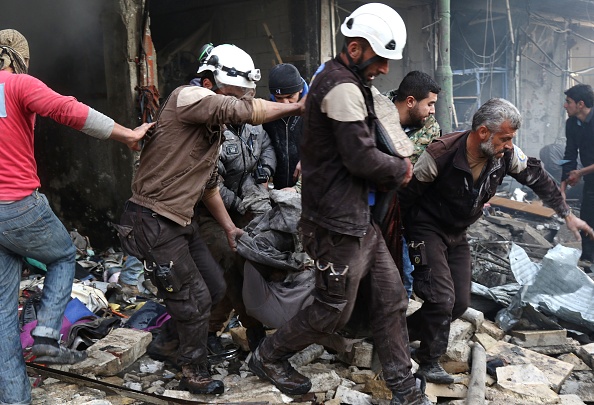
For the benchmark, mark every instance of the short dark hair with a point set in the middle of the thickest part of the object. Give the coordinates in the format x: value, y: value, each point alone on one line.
x: 581, y: 92
x: 417, y: 84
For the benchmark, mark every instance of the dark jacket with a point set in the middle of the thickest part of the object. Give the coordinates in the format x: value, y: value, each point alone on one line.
x: 244, y: 146
x: 450, y: 200
x: 580, y: 139
x: 179, y: 161
x: 339, y: 156
x: 285, y: 135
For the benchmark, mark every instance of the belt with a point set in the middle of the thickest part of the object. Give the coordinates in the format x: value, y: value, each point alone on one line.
x: 130, y: 206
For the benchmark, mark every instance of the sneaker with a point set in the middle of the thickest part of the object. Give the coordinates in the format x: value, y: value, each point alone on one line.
x: 288, y: 380
x: 410, y: 396
x: 197, y: 380
x: 434, y: 372
x: 50, y: 354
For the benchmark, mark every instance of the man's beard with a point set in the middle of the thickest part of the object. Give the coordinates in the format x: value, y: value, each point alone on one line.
x: 488, y: 149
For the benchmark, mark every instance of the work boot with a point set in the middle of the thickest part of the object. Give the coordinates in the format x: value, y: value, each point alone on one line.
x: 197, y: 379
x: 410, y: 396
x: 51, y: 354
x: 434, y: 372
x: 288, y: 380
x: 254, y: 336
x: 163, y: 348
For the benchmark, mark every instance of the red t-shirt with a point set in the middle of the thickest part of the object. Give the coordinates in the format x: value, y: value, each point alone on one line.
x: 21, y: 97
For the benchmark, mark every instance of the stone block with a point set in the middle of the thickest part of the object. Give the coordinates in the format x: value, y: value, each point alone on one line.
x: 458, y: 351
x: 586, y: 353
x: 485, y: 340
x: 526, y: 381
x: 555, y: 370
x: 455, y: 367
x: 530, y: 338
x: 491, y: 329
x: 323, y: 377
x: 435, y: 391
x: 578, y: 364
x: 460, y: 330
x: 474, y: 316
x: 361, y: 355
x: 307, y: 355
x: 348, y: 396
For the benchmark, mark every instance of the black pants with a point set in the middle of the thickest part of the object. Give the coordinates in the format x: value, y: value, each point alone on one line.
x: 196, y: 280
x: 587, y: 214
x: 441, y: 278
x: 335, y: 294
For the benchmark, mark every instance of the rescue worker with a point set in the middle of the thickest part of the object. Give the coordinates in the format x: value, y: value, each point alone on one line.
x: 340, y: 159
x: 178, y: 168
x: 455, y: 176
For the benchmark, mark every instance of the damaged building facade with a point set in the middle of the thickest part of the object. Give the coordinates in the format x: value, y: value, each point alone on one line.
x: 524, y: 50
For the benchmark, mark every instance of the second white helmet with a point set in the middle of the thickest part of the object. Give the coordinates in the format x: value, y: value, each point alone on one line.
x: 381, y: 26
x: 231, y: 66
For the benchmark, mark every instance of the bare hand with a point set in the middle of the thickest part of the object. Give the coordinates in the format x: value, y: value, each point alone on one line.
x: 133, y: 141
x: 302, y: 105
x: 409, y: 173
x: 297, y: 171
x: 232, y: 236
x: 574, y: 177
x: 575, y: 225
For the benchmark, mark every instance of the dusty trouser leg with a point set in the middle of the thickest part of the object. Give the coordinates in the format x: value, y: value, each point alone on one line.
x: 188, y: 280
x: 387, y: 311
x: 442, y: 281
x: 341, y: 261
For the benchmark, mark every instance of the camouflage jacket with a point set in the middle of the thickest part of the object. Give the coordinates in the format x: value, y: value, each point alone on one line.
x: 423, y: 136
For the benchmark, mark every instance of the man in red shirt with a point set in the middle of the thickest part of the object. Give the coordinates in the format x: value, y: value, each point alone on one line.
x: 28, y: 226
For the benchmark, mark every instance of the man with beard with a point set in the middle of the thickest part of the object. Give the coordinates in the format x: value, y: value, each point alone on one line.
x: 452, y: 180
x: 340, y: 161
x: 415, y: 100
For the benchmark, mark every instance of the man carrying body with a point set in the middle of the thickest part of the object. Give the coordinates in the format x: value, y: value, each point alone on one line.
x: 340, y: 160
x: 178, y: 168
x: 456, y: 175
x: 579, y: 132
x: 28, y: 226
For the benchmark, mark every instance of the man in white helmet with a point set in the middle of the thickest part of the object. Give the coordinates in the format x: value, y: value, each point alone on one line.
x: 341, y: 164
x: 178, y: 168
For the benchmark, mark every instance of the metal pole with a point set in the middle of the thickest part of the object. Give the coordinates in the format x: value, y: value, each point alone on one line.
x: 443, y: 74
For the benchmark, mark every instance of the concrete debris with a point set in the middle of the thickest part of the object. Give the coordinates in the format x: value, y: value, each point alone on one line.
x: 545, y: 356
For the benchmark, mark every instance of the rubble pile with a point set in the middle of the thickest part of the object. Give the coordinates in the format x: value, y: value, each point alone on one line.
x: 526, y: 339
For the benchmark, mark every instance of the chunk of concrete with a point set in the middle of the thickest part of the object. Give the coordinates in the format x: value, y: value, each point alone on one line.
x: 323, y: 377
x: 584, y: 390
x: 114, y: 353
x: 527, y: 382
x: 578, y: 364
x: 458, y: 351
x: 474, y: 316
x: 586, y: 353
x: 460, y: 330
x: 352, y: 397
x: 571, y: 399
x: 555, y: 370
x: 530, y: 338
x: 361, y: 355
x: 485, y: 340
x: 491, y: 329
x: 435, y: 391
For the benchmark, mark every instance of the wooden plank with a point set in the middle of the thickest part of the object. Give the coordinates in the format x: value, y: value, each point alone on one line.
x: 522, y: 206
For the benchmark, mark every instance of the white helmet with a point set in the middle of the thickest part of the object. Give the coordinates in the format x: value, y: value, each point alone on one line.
x: 381, y: 26
x: 231, y: 66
